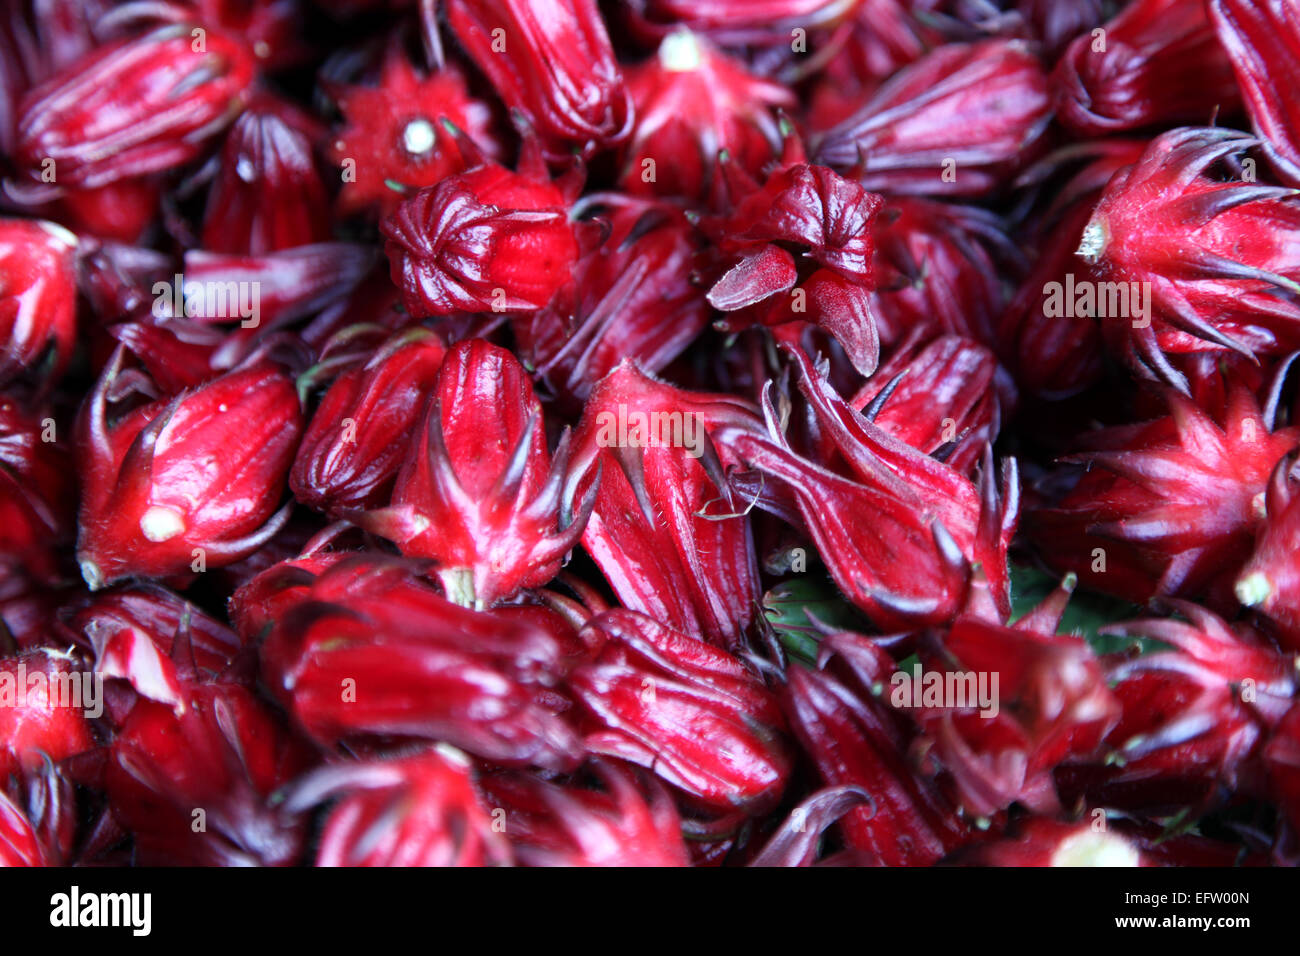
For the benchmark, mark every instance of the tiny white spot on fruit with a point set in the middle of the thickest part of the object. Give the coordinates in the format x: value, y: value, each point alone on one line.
x: 58, y: 234
x: 1095, y: 849
x: 161, y: 524
x: 418, y: 137
x: 453, y: 754
x: 94, y: 578
x: 1093, y: 242
x: 680, y: 52
x: 245, y: 169
x: 1253, y: 589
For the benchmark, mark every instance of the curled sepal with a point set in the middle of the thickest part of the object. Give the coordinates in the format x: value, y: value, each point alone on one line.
x: 629, y: 821
x: 852, y: 741
x: 223, y: 753
x: 416, y: 810
x: 795, y: 841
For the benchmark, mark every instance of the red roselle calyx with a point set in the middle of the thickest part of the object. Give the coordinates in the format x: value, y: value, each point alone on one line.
x: 942, y: 399
x: 134, y: 106
x: 816, y: 212
x: 38, y: 297
x: 692, y: 102
x: 214, y: 759
x: 669, y: 535
x: 267, y: 194
x: 1212, y: 264
x: 690, y: 712
x: 364, y: 652
x: 953, y: 123
x: 633, y: 297
x: 805, y: 205
x: 478, y: 492
x: 396, y: 133
x: 1243, y: 669
x: 186, y: 483
x: 1140, y: 522
x: 287, y: 284
x: 631, y: 822
x: 353, y: 447
x: 484, y: 240
x: 851, y: 740
x: 1192, y: 716
x: 155, y: 640
x: 420, y: 810
x: 899, y: 531
x: 553, y: 62
x: 46, y: 698
x: 937, y: 269
x: 1269, y: 581
x: 1157, y: 61
x: 1050, y: 704
x: 1262, y: 38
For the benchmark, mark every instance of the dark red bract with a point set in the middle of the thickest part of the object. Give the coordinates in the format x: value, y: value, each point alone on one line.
x: 650, y: 433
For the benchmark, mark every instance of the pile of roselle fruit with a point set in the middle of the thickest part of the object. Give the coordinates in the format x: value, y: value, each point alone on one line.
x: 548, y: 432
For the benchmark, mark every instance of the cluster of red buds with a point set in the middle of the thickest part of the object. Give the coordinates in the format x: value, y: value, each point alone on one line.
x: 650, y: 433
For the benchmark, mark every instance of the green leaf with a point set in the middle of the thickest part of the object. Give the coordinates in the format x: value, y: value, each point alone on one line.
x: 787, y: 605
x: 1086, y: 614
